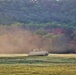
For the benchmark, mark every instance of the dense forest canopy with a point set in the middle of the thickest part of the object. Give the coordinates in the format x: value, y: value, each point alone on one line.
x: 38, y: 11
x: 52, y: 24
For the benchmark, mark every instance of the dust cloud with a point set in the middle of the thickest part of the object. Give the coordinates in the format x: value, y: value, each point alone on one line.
x: 15, y: 40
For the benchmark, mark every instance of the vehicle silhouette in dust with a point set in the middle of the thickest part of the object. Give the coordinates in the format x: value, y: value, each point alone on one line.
x: 38, y: 52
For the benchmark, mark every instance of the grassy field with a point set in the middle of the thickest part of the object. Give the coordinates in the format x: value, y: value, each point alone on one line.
x: 37, y: 69
x: 54, y: 64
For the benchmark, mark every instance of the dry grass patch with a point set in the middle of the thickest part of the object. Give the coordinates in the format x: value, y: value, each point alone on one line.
x: 13, y: 55
x: 63, y: 55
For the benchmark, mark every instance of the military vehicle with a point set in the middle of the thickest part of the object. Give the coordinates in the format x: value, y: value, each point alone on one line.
x: 38, y: 52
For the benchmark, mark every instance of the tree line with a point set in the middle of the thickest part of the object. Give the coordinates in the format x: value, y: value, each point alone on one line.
x: 38, y: 11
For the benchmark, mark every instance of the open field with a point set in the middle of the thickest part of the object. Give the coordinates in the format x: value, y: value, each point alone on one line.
x: 37, y: 69
x: 53, y: 64
x: 50, y: 59
x: 51, y: 55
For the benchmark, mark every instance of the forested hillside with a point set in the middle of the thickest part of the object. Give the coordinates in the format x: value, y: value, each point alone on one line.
x: 38, y: 11
x: 48, y: 24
